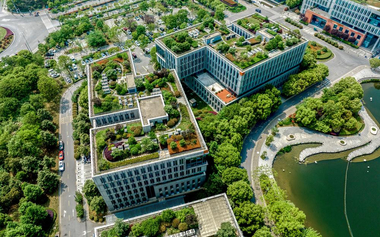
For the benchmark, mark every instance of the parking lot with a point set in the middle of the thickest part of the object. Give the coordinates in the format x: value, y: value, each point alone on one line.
x: 142, y: 62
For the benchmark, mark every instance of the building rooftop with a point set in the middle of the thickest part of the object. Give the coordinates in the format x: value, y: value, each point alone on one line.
x: 151, y: 107
x: 215, y: 87
x: 229, y: 44
x: 130, y: 81
x: 211, y: 212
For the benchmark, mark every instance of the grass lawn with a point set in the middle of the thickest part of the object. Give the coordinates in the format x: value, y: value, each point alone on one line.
x: 185, y: 118
x: 3, y: 33
x: 201, y: 105
x: 318, y: 47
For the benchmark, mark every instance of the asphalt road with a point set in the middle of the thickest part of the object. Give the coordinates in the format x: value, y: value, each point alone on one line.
x: 69, y: 225
x: 27, y: 29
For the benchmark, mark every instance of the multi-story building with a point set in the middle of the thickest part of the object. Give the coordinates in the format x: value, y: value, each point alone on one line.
x: 210, y: 213
x: 362, y: 22
x: 151, y: 175
x: 235, y: 73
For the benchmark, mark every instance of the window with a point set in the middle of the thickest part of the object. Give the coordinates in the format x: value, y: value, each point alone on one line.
x: 143, y: 171
x: 156, y: 167
x: 340, y: 28
x: 352, y: 34
x: 149, y: 169
x: 137, y: 172
x: 335, y: 26
x: 162, y: 166
x: 359, y: 37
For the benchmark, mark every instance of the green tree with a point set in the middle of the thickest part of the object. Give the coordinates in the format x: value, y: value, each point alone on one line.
x: 250, y: 217
x: 120, y: 229
x: 233, y: 174
x: 98, y: 205
x: 34, y: 214
x: 90, y: 190
x: 227, y: 155
x: 48, y: 181
x: 33, y: 193
x: 293, y: 3
x: 15, y: 229
x: 144, y: 6
x: 226, y: 230
x: 96, y: 39
x: 4, y: 219
x: 48, y: 139
x: 374, y: 62
x: 48, y: 87
x: 150, y: 227
x: 240, y: 191
x: 168, y: 215
x: 30, y: 164
x: 263, y: 232
x: 219, y: 15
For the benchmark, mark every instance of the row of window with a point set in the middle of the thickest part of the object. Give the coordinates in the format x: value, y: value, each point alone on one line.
x: 115, y: 118
x: 141, y: 173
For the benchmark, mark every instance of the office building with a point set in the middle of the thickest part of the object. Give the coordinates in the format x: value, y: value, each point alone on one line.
x: 128, y: 175
x: 360, y: 23
x: 220, y: 77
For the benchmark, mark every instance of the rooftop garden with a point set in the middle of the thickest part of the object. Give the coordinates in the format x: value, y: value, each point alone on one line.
x: 118, y: 146
x: 189, y: 39
x: 169, y: 222
x: 106, y: 76
x: 241, y: 52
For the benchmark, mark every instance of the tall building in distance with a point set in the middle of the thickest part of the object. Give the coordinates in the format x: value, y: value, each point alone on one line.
x: 225, y: 63
x: 361, y: 22
x: 148, y: 168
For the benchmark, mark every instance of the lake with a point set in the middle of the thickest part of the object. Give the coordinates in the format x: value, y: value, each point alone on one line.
x: 318, y: 189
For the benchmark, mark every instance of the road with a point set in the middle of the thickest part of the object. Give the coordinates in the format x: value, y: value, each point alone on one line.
x: 27, y: 29
x: 343, y: 62
x: 69, y: 225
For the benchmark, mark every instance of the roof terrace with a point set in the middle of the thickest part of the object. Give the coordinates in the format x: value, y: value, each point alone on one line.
x: 173, y: 132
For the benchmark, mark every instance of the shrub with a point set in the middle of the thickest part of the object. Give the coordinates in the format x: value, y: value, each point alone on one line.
x: 175, y: 222
x: 134, y: 151
x: 76, y: 155
x: 182, y: 227
x: 182, y: 143
x: 172, y: 122
x: 324, y: 49
x: 319, y: 52
x: 263, y: 155
x: 340, y: 47
x: 173, y: 145
x: 313, y: 43
x: 80, y: 210
x: 177, y: 94
x: 137, y: 131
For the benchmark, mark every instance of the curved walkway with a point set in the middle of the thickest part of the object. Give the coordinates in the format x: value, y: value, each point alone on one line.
x: 330, y: 144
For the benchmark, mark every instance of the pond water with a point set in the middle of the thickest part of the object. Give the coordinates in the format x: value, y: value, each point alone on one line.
x: 318, y: 189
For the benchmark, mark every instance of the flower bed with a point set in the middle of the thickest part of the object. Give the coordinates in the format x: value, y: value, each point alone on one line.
x: 7, y: 39
x: 191, y: 140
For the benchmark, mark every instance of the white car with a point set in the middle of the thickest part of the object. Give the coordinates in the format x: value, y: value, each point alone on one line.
x: 61, y: 166
x: 137, y: 43
x: 75, y: 66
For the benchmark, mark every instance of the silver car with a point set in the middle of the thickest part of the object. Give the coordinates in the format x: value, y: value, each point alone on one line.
x: 61, y: 166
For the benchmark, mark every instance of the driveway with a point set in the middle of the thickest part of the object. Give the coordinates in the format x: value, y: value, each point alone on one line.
x: 142, y: 62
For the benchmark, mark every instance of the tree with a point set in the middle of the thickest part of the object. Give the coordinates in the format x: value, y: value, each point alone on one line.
x: 288, y: 218
x: 309, y: 60
x: 227, y: 155
x: 63, y: 62
x: 144, y: 6
x: 48, y: 126
x: 263, y: 232
x: 4, y: 219
x: 34, y: 214
x: 98, y: 205
x: 140, y: 30
x: 374, y: 62
x: 120, y: 229
x: 219, y: 15
x: 32, y: 192
x: 226, y: 230
x: 48, y: 87
x: 30, y: 164
x: 48, y: 139
x: 250, y: 217
x: 214, y: 185
x: 240, y: 191
x: 233, y: 174
x: 15, y: 229
x: 150, y: 227
x: 90, y: 190
x: 96, y: 39
x: 48, y: 181
x: 168, y: 215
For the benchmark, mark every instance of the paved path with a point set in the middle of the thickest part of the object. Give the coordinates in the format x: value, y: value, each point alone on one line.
x: 330, y: 144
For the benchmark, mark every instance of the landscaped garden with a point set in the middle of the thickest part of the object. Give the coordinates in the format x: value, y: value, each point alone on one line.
x: 6, y: 38
x: 336, y: 112
x: 320, y: 52
x: 105, y: 74
x: 168, y: 223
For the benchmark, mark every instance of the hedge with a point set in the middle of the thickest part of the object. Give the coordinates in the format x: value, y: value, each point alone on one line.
x: 133, y: 160
x: 326, y: 55
x: 341, y: 40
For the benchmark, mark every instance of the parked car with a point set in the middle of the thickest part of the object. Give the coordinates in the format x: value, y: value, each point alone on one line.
x: 258, y: 10
x: 70, y: 68
x: 61, y: 156
x: 134, y: 55
x: 147, y: 50
x: 137, y: 43
x: 61, y: 166
x: 83, y: 63
x: 103, y: 55
x: 61, y: 145
x: 76, y: 76
x: 75, y: 66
